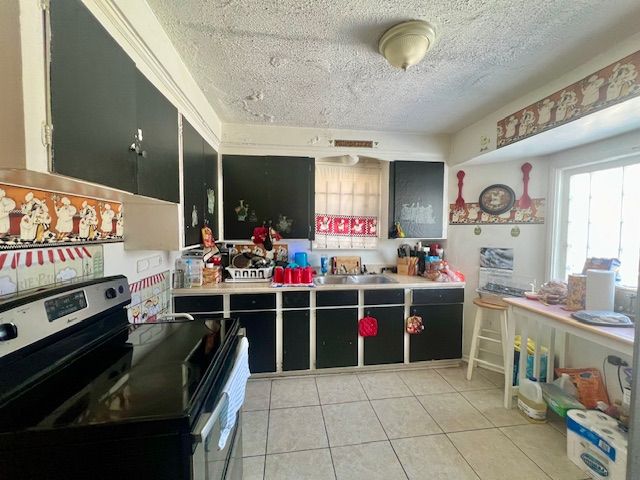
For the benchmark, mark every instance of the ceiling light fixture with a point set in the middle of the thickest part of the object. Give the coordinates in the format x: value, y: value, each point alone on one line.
x: 406, y: 44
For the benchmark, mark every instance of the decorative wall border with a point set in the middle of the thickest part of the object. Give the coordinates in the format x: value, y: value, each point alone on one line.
x: 471, y: 214
x: 31, y: 217
x: 608, y: 86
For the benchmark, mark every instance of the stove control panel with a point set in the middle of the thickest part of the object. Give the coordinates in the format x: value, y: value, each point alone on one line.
x: 26, y: 320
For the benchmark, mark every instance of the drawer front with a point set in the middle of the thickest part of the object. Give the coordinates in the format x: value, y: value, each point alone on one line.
x: 295, y: 299
x: 198, y: 303
x: 260, y: 301
x: 336, y: 298
x: 393, y: 296
x: 438, y: 295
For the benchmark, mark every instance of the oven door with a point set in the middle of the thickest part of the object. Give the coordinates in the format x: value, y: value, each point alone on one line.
x: 211, y: 463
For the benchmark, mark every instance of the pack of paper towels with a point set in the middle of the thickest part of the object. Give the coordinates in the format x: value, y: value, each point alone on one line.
x: 596, y: 444
x: 601, y: 290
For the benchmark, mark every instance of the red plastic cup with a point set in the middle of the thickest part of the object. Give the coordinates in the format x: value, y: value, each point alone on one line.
x: 288, y: 275
x: 297, y: 275
x: 307, y: 275
x: 278, y: 275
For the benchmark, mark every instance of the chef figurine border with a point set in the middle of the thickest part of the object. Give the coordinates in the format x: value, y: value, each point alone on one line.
x: 32, y: 217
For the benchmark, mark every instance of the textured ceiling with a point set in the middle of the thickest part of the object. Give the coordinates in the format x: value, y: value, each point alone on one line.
x: 315, y: 63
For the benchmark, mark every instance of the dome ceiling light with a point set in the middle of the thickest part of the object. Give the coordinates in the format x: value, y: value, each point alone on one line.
x: 406, y: 44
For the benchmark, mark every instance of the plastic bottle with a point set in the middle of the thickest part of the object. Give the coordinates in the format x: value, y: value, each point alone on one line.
x: 530, y: 401
x: 565, y: 383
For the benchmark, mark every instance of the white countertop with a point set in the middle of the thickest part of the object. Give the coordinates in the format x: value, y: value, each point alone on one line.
x: 403, y: 281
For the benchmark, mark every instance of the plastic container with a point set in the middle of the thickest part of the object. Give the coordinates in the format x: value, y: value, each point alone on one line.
x: 531, y: 402
x: 193, y: 272
x: 559, y: 400
x: 565, y: 383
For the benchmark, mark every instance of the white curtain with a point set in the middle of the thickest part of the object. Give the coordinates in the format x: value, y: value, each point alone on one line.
x: 347, y: 206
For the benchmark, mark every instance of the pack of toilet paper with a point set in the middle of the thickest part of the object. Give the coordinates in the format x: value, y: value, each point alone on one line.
x: 596, y: 444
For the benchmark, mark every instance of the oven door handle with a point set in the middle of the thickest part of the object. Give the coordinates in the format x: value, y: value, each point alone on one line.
x: 203, y: 434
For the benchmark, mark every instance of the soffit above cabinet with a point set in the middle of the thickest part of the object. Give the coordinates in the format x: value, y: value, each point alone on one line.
x: 610, y: 122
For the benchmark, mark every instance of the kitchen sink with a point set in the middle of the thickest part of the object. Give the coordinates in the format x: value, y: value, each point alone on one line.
x: 353, y: 280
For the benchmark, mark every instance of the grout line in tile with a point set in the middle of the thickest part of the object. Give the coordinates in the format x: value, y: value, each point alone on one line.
x: 382, y: 426
x: 266, y: 445
x: 523, y: 452
x: 457, y: 450
x: 326, y: 432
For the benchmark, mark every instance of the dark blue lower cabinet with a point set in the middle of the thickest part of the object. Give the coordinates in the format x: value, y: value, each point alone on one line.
x: 388, y: 345
x: 261, y: 333
x: 442, y: 335
x: 295, y: 340
x: 337, y: 337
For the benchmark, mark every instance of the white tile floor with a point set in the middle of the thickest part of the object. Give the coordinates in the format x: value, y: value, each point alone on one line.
x: 407, y: 424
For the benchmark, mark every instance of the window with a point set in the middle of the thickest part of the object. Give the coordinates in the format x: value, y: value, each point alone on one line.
x: 347, y: 205
x: 601, y: 205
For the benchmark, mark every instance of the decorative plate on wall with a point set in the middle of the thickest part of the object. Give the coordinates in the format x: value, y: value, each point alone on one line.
x: 497, y: 199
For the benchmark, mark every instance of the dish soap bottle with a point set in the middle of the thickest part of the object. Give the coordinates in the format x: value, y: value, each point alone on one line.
x: 530, y: 401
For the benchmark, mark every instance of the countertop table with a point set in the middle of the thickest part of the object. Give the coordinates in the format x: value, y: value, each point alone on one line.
x: 543, y: 323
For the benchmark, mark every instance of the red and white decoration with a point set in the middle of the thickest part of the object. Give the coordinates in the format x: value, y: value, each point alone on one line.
x: 36, y: 268
x: 347, y: 205
x: 333, y: 230
x: 150, y: 297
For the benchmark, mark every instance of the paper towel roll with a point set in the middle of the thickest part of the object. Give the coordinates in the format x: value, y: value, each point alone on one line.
x: 601, y: 290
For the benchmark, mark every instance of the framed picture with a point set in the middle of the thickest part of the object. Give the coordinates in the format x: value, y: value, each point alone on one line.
x: 497, y: 199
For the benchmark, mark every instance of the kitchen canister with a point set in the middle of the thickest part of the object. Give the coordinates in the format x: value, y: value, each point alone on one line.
x: 576, y: 292
x: 601, y: 290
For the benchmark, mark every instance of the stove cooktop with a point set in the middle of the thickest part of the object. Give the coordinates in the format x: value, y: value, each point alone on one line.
x: 144, y: 372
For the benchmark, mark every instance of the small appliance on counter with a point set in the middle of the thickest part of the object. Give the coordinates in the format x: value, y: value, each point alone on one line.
x: 85, y: 395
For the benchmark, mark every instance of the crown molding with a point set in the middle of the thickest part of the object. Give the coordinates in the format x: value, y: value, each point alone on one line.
x: 142, y: 51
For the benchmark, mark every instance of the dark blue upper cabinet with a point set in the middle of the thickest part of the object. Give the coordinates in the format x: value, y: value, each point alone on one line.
x: 260, y: 189
x: 416, y: 191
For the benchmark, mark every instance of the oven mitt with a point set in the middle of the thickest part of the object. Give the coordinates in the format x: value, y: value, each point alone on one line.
x: 368, y: 327
x: 415, y: 325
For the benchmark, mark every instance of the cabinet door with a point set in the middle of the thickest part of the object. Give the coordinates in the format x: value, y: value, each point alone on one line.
x: 388, y: 345
x: 158, y: 163
x: 245, y: 192
x: 416, y: 198
x: 337, y: 338
x: 295, y: 340
x: 442, y: 335
x: 261, y: 333
x: 210, y: 207
x: 193, y: 175
x: 260, y: 189
x: 291, y: 195
x: 93, y: 103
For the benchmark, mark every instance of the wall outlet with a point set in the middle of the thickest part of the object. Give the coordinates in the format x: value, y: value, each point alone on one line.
x: 148, y: 263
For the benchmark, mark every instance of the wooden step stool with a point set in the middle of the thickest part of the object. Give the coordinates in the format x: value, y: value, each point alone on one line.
x: 480, y: 334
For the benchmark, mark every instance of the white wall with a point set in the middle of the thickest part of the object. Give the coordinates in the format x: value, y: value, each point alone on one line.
x: 135, y: 264
x: 464, y: 246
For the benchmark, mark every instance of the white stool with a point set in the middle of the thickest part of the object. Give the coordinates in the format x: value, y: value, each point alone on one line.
x: 479, y: 333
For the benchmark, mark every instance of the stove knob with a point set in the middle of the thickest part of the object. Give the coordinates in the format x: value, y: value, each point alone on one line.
x: 8, y: 331
x: 111, y: 293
